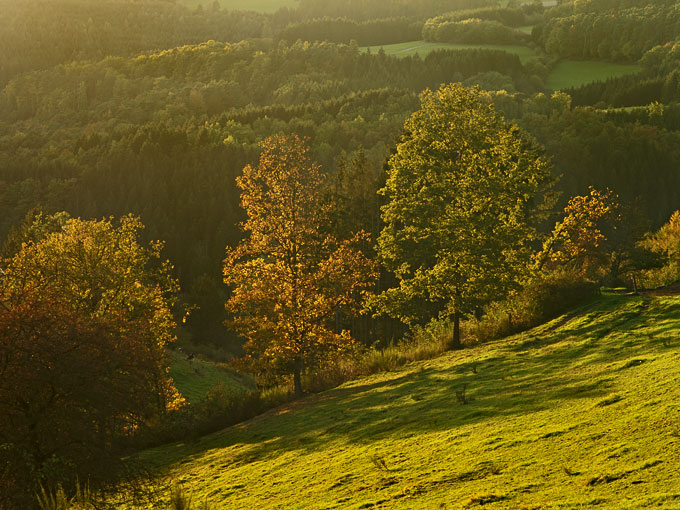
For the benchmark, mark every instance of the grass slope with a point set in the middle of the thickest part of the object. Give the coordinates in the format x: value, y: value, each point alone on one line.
x: 422, y: 48
x: 572, y: 73
x: 245, y: 5
x: 580, y: 412
x: 194, y: 378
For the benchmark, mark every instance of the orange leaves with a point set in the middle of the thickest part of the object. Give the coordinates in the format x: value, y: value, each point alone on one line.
x: 99, y: 270
x: 291, y: 275
x: 579, y: 239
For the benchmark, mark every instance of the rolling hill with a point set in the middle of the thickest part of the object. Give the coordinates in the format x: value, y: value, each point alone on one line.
x: 582, y: 411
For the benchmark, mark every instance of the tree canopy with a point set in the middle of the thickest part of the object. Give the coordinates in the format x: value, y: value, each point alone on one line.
x: 462, y: 191
x: 84, y: 319
x: 291, y: 274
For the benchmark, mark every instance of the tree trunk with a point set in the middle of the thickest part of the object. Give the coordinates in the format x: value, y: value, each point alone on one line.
x: 456, y: 330
x: 297, y: 379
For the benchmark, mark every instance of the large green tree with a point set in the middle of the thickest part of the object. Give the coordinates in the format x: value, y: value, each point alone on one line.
x: 463, y: 187
x: 291, y: 274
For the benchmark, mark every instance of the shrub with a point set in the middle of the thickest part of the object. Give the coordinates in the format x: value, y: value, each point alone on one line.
x: 666, y: 243
x: 545, y: 298
x: 71, y: 385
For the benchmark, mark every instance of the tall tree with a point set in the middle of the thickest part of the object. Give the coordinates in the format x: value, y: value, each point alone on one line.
x: 462, y: 190
x: 291, y: 275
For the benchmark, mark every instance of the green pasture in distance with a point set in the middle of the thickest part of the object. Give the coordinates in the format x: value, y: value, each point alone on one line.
x: 422, y: 48
x: 244, y: 5
x: 580, y: 412
x: 574, y: 73
x: 546, y: 3
x: 526, y: 29
x: 194, y: 378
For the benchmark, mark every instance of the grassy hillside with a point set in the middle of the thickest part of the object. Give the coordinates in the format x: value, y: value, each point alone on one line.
x: 580, y: 412
x: 245, y: 5
x: 194, y: 378
x: 568, y: 73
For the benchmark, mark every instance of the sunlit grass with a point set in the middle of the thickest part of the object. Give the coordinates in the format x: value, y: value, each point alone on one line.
x: 244, y: 5
x: 580, y: 411
x: 572, y: 73
x: 194, y: 378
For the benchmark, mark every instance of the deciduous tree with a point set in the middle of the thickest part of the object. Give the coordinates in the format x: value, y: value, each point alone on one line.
x: 84, y: 319
x: 598, y: 238
x: 290, y: 275
x: 462, y: 190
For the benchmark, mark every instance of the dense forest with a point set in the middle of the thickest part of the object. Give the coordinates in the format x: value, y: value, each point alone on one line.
x: 152, y: 109
x: 163, y: 134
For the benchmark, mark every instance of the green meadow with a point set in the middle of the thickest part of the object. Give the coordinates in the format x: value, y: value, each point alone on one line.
x: 580, y: 412
x: 572, y: 73
x: 245, y: 5
x: 566, y: 73
x: 422, y: 48
x: 195, y: 378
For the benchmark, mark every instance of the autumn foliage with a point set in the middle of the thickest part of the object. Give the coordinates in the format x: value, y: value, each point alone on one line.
x: 580, y: 240
x: 83, y: 323
x: 291, y: 275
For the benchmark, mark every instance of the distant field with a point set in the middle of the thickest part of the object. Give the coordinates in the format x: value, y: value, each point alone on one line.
x: 576, y: 73
x: 581, y: 412
x: 546, y: 3
x: 422, y: 48
x: 245, y: 5
x: 194, y: 378
x: 527, y: 29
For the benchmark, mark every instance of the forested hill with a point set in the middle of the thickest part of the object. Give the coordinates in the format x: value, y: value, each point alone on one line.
x: 115, y: 107
x: 38, y: 35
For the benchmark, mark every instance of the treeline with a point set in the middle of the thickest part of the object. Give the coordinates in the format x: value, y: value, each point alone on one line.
x: 473, y: 31
x: 622, y: 35
x: 38, y: 35
x: 342, y: 30
x: 571, y: 7
x: 665, y: 116
x: 628, y: 90
x: 523, y: 15
x: 211, y: 78
x: 489, y: 25
x: 605, y: 150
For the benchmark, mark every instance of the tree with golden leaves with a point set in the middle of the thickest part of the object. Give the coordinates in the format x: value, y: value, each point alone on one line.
x: 291, y: 274
x: 85, y: 315
x: 598, y: 238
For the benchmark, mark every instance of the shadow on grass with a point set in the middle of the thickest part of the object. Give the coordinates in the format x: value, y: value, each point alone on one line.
x: 522, y: 377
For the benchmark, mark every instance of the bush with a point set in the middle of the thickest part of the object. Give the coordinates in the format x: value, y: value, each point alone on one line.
x: 545, y: 298
x: 71, y: 385
x: 425, y: 343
